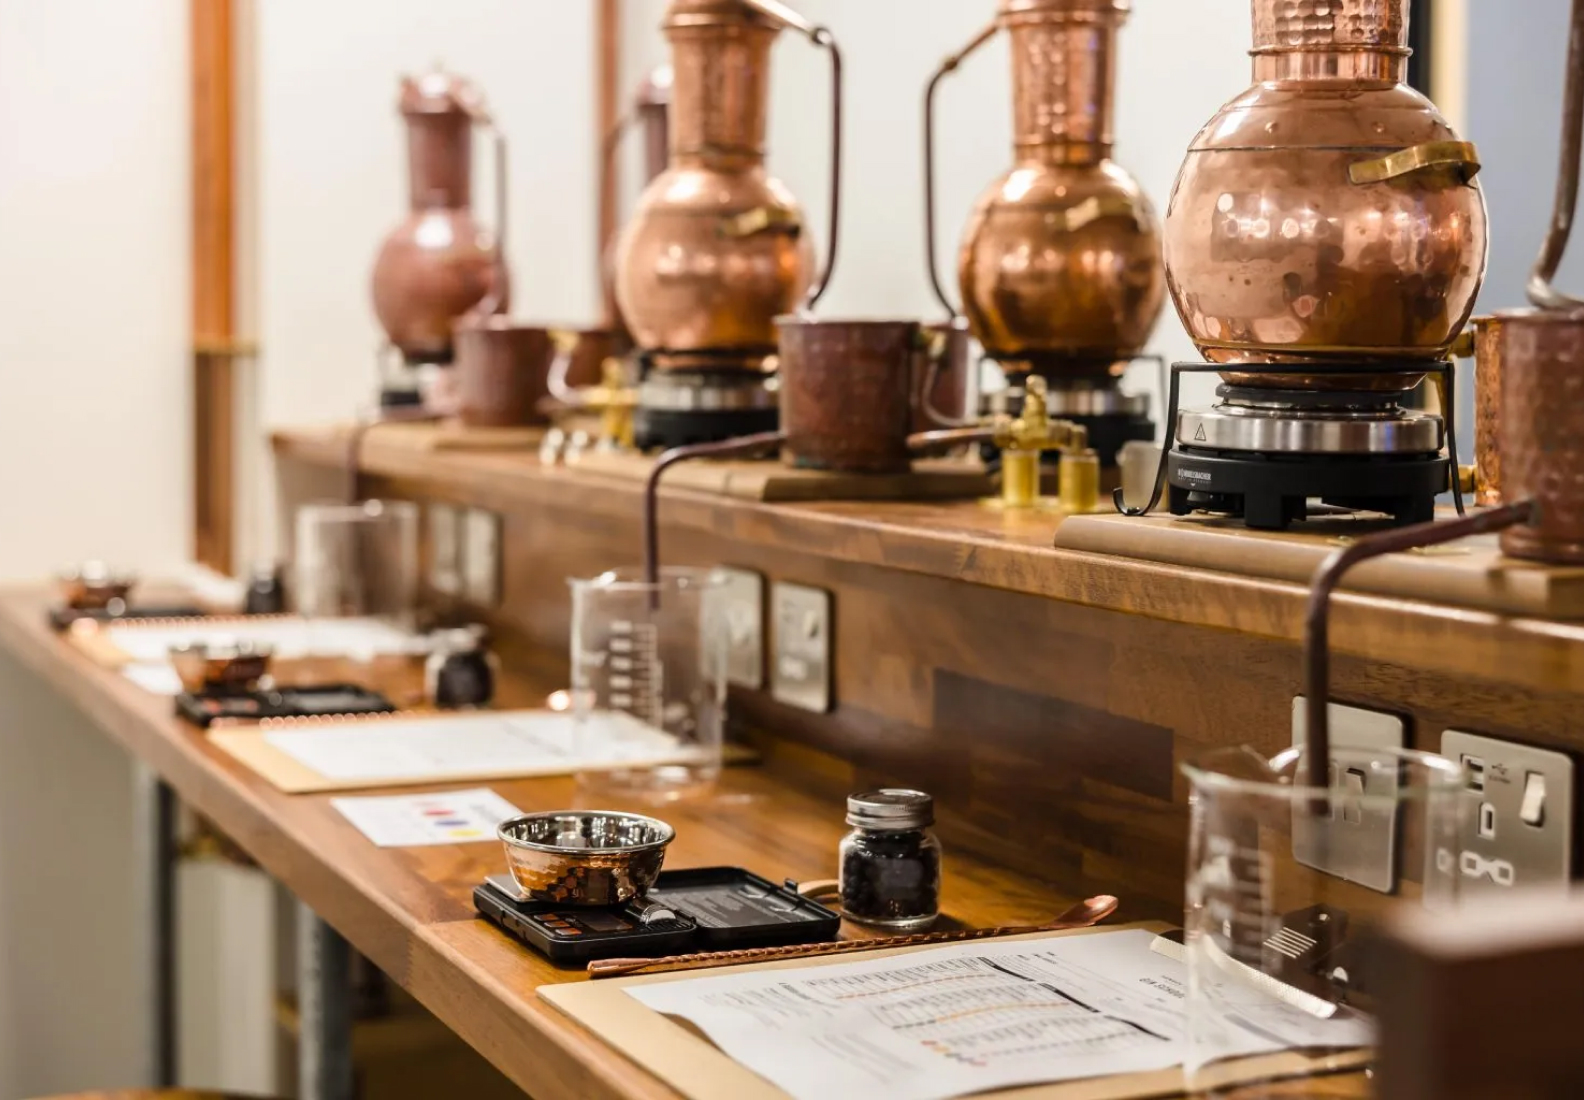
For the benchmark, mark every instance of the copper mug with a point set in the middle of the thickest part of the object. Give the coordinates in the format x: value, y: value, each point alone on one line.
x: 502, y: 371
x: 1542, y: 431
x: 852, y: 391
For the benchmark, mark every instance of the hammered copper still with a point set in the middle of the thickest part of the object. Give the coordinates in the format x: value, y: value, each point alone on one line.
x: 717, y: 248
x: 440, y: 263
x: 1329, y: 212
x: 1060, y: 264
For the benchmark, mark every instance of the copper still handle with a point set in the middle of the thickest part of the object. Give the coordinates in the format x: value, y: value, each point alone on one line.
x: 948, y: 66
x: 1541, y: 292
x: 1458, y: 155
x: 496, y: 298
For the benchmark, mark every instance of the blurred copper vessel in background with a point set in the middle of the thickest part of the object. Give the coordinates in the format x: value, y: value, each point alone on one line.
x: 502, y: 371
x: 1329, y: 212
x: 440, y: 263
x: 717, y: 248
x: 1060, y: 265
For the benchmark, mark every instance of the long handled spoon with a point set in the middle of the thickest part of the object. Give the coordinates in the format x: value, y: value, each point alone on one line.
x: 1090, y: 911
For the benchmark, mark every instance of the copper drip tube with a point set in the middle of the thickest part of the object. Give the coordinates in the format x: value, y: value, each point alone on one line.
x: 741, y: 447
x: 1317, y: 654
x: 1541, y: 292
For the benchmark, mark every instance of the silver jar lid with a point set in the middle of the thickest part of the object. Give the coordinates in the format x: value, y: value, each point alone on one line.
x: 891, y: 808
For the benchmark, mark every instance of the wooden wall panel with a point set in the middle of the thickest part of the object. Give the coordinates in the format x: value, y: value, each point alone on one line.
x: 1051, y: 733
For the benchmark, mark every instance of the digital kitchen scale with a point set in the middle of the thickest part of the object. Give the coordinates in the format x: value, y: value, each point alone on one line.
x: 708, y: 909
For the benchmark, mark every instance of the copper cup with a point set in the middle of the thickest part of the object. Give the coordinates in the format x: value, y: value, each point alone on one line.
x: 1542, y: 431
x: 502, y: 372
x: 850, y: 392
x: 586, y: 350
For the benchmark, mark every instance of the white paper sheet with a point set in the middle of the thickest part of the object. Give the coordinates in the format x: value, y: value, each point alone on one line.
x: 956, y: 1020
x: 525, y: 742
x: 414, y: 820
x: 291, y: 636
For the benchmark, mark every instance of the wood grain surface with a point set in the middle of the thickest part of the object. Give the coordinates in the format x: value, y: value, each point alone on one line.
x: 1046, y: 698
x: 409, y: 910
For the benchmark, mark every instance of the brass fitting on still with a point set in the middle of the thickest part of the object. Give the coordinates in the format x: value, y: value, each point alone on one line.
x: 1022, y: 441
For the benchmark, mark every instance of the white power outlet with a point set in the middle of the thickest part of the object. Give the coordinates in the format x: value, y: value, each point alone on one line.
x: 1359, y: 841
x: 445, y: 549
x: 481, y: 557
x: 1521, y: 830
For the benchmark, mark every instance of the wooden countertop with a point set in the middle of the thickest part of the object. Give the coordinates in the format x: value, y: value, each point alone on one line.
x: 410, y: 910
x: 969, y: 542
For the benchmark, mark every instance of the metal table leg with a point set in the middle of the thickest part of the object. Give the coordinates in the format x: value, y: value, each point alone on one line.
x: 324, y: 1007
x: 155, y: 855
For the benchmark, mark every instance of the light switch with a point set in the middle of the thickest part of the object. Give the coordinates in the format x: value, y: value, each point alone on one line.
x: 1532, y: 809
x: 801, y: 666
x: 481, y: 557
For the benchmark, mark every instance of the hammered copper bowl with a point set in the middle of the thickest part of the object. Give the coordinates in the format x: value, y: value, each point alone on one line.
x: 220, y: 668
x: 585, y: 857
x: 94, y: 585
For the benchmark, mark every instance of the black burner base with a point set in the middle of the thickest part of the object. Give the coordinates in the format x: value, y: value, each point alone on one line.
x: 1270, y: 492
x: 667, y: 428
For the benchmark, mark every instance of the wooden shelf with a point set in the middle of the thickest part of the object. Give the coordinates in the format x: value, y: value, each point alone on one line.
x: 969, y: 542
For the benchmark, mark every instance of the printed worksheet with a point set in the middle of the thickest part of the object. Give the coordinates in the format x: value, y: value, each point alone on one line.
x: 524, y: 742
x: 956, y: 1020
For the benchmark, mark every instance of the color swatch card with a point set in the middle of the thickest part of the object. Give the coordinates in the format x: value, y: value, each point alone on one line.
x: 413, y: 820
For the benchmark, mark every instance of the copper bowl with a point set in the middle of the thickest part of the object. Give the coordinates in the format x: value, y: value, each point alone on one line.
x: 224, y: 669
x: 94, y: 585
x: 585, y: 857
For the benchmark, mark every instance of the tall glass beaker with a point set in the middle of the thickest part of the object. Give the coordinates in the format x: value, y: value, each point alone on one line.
x: 654, y: 653
x: 1283, y: 882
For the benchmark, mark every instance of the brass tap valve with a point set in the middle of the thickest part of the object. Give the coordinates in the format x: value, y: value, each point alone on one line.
x: 1025, y: 439
x: 615, y: 400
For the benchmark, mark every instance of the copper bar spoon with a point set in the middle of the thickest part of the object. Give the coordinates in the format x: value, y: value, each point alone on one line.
x: 1084, y: 914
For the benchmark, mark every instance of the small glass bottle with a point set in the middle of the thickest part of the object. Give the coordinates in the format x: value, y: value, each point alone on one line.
x: 891, y: 861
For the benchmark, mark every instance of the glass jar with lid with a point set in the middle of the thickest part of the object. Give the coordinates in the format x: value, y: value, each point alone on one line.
x: 891, y: 861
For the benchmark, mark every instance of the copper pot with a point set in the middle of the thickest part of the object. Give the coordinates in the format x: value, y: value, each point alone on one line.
x: 440, y: 263
x: 1088, y: 300
x: 850, y: 392
x: 717, y: 248
x: 503, y: 372
x: 1329, y: 212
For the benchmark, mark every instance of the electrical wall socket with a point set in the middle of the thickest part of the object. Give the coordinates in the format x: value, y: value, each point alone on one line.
x: 740, y: 604
x: 1520, y: 832
x: 481, y: 557
x: 1358, y: 842
x: 800, y: 664
x: 445, y: 549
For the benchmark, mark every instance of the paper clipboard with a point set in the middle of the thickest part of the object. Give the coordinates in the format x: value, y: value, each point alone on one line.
x: 683, y: 1058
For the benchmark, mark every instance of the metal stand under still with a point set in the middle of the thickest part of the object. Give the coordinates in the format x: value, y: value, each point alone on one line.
x: 324, y: 1004
x: 155, y: 854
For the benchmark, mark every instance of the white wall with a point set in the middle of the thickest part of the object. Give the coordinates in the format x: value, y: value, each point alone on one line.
x: 94, y: 433
x: 1178, y: 63
x: 332, y: 173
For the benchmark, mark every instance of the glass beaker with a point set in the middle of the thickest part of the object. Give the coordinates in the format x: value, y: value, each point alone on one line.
x: 1283, y: 881
x: 655, y: 653
x: 358, y: 560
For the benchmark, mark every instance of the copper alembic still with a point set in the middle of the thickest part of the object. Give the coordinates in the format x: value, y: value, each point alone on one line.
x: 1060, y: 265
x: 439, y: 264
x: 1324, y: 245
x: 717, y: 249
